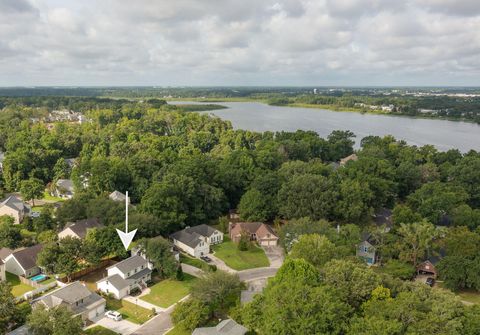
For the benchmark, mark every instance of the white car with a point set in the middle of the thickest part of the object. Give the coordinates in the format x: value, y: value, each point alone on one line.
x: 113, y: 315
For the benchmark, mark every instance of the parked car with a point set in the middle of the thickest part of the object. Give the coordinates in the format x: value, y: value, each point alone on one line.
x: 430, y: 281
x: 114, y: 315
x: 206, y: 259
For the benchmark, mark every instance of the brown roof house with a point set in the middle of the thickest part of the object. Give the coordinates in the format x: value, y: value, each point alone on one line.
x: 257, y: 231
x: 23, y: 262
x: 345, y: 160
x: 14, y: 207
x: 79, y: 228
x: 77, y: 298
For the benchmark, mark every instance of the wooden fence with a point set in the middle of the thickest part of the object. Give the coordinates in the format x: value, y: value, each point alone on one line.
x: 74, y: 276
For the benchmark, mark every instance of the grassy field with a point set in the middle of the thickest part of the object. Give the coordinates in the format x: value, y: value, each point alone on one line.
x: 129, y: 311
x: 99, y: 330
x: 48, y: 197
x: 18, y: 288
x: 198, y: 263
x: 169, y: 291
x: 240, y: 260
x: 470, y: 296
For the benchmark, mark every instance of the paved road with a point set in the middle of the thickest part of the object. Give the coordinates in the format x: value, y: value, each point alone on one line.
x: 123, y: 327
x: 159, y: 325
x: 258, y: 273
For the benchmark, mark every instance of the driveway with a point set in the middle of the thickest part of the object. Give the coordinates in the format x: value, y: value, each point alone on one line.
x: 274, y: 255
x: 123, y: 327
x: 220, y: 264
x: 159, y: 325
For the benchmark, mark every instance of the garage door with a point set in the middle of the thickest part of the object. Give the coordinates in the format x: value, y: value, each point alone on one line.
x: 96, y: 312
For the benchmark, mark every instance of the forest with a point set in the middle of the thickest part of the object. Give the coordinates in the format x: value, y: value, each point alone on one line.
x: 184, y: 169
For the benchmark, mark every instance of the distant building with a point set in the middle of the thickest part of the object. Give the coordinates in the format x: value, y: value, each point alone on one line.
x: 196, y: 241
x: 23, y: 262
x: 383, y: 218
x: 345, y: 160
x: 79, y: 228
x: 118, y: 196
x: 367, y: 250
x: 257, y: 231
x: 64, y: 189
x: 14, y: 207
x: 226, y: 327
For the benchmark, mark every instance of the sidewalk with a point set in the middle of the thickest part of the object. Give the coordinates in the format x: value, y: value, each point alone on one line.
x: 138, y: 301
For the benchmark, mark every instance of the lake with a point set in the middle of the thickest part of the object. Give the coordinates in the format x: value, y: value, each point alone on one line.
x: 260, y: 117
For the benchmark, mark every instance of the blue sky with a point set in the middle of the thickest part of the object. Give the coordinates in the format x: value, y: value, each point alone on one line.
x: 248, y: 42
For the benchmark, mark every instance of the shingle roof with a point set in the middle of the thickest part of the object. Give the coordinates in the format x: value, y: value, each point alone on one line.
x: 130, y: 263
x: 27, y: 257
x: 226, y: 327
x: 65, y: 184
x: 14, y: 203
x: 117, y: 196
x: 117, y: 281
x: 191, y: 239
x: 4, y: 252
x: 202, y: 229
x: 383, y: 217
x: 80, y: 227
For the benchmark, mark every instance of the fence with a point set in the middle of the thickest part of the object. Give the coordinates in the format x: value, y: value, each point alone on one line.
x: 37, y: 291
x: 81, y: 273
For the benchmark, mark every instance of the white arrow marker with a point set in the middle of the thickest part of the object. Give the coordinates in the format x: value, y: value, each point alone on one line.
x: 126, y: 236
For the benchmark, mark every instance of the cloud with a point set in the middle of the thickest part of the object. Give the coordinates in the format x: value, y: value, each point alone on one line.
x: 248, y: 42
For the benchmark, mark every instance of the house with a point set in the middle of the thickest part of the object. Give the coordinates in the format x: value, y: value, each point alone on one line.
x: 77, y: 298
x: 257, y: 231
x: 191, y: 242
x: 366, y: 249
x: 64, y: 189
x: 23, y: 262
x: 345, y: 160
x: 213, y: 236
x: 123, y: 277
x: 14, y: 207
x: 226, y: 327
x: 383, y: 218
x: 118, y: 196
x: 428, y: 266
x: 2, y: 271
x: 2, y: 158
x: 4, y: 253
x: 79, y: 228
x: 22, y: 330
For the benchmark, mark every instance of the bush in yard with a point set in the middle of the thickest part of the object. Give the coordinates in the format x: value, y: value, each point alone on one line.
x: 399, y: 269
x: 244, y: 243
x: 180, y: 275
x: 135, y: 291
x: 190, y: 314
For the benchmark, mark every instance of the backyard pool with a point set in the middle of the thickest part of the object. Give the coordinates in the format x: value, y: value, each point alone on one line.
x: 38, y: 278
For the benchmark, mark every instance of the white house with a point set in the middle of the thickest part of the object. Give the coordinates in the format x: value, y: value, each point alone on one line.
x: 196, y: 241
x: 14, y: 207
x: 367, y: 250
x: 133, y: 272
x: 2, y: 271
x: 23, y: 262
x: 77, y: 298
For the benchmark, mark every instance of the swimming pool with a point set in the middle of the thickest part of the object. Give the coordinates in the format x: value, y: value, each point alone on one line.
x: 38, y: 278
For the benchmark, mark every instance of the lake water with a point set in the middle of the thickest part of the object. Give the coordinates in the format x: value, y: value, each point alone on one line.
x: 261, y: 117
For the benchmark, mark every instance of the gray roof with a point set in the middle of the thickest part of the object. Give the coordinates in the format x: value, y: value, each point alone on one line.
x: 140, y: 274
x: 130, y: 263
x: 69, y: 295
x: 383, y: 217
x: 228, y: 327
x: 70, y: 162
x: 202, y: 229
x: 192, y: 239
x: 27, y: 257
x: 80, y: 227
x: 116, y: 281
x: 23, y: 330
x: 4, y: 252
x: 65, y: 184
x: 117, y: 196
x: 14, y: 203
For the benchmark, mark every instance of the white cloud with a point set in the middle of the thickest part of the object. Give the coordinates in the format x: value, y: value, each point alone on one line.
x: 230, y: 42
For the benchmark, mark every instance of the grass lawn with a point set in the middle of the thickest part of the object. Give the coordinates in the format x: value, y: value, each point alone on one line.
x: 18, y: 288
x: 470, y: 296
x: 48, y: 197
x: 129, y: 311
x: 99, y: 330
x: 198, y: 263
x: 169, y: 291
x: 240, y: 260
x: 178, y: 331
x: 50, y: 279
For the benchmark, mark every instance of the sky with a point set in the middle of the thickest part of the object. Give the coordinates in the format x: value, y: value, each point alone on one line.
x: 240, y: 42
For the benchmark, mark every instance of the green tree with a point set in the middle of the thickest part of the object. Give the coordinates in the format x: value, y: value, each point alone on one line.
x: 55, y: 321
x: 416, y: 240
x: 190, y: 314
x: 32, y: 189
x: 298, y: 270
x: 159, y: 251
x: 10, y: 236
x: 8, y: 307
x: 315, y: 249
x: 254, y: 206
